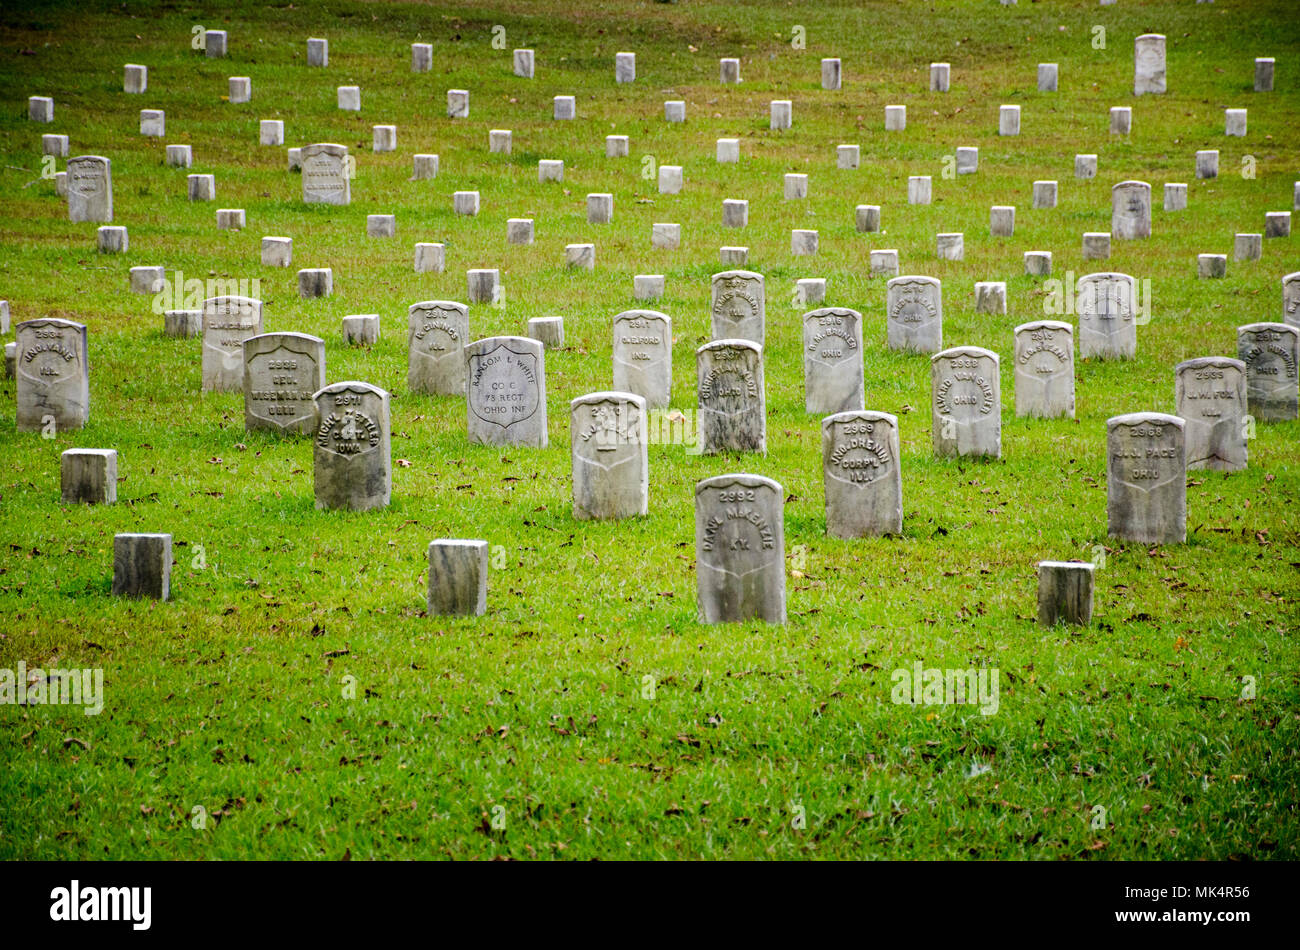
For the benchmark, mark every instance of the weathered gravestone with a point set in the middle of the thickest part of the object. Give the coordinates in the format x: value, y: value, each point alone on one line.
x: 914, y: 314
x: 1044, y: 369
x: 732, y: 401
x: 1106, y: 305
x: 1270, y: 352
x: 607, y: 441
x: 832, y: 360
x: 1130, y: 211
x: 90, y: 188
x: 458, y: 572
x: 282, y: 373
x: 52, y: 378
x: 326, y: 174
x: 142, y: 565
x: 1146, y: 478
x: 1291, y: 299
x: 1210, y: 396
x: 739, y: 305
x: 506, y: 391
x: 966, y: 402
x: 740, y: 549
x: 860, y: 472
x: 227, y: 323
x: 643, y: 356
x: 483, y: 285
x: 352, y: 449
x: 1149, y: 64
x: 88, y: 476
x: 1064, y: 592
x: 436, y: 336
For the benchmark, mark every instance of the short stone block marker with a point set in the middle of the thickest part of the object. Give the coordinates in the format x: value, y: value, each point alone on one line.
x: 142, y: 565
x: 457, y: 578
x: 88, y: 476
x: 1064, y: 592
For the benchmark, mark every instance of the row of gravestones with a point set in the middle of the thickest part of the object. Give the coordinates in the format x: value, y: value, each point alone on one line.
x: 739, y: 517
x: 283, y: 379
x: 280, y: 372
x: 326, y: 179
x: 1149, y: 66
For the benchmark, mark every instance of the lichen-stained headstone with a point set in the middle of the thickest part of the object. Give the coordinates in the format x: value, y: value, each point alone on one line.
x: 1146, y: 478
x: 506, y: 391
x: 51, y: 370
x: 282, y: 373
x: 1210, y: 396
x: 740, y: 549
x: 914, y: 314
x: 861, y: 475
x: 326, y: 174
x: 966, y: 402
x: 1149, y: 64
x: 90, y: 188
x: 437, y: 331
x: 1270, y: 352
x: 732, y: 402
x: 1106, y: 304
x: 352, y: 448
x: 739, y: 306
x: 227, y: 322
x: 607, y: 441
x: 1291, y: 296
x: 832, y: 360
x: 643, y: 355
x: 1130, y: 211
x: 1044, y: 370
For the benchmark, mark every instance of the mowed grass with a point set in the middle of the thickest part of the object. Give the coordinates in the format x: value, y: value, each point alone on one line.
x: 1133, y: 738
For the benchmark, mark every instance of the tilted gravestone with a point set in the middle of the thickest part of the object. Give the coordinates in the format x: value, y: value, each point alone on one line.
x: 282, y: 373
x: 1044, y: 369
x: 739, y: 306
x: 832, y: 360
x: 740, y: 549
x: 90, y: 188
x: 1210, y: 396
x: 861, y: 475
x: 607, y: 442
x: 1106, y: 305
x: 227, y: 323
x: 1146, y: 478
x: 352, y: 448
x: 732, y: 402
x: 1270, y: 352
x: 326, y: 174
x: 437, y: 331
x: 506, y: 391
x: 966, y: 402
x: 51, y: 372
x: 914, y: 314
x: 643, y: 356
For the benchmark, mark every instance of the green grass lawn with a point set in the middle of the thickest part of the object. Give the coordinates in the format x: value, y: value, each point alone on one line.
x: 294, y: 690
